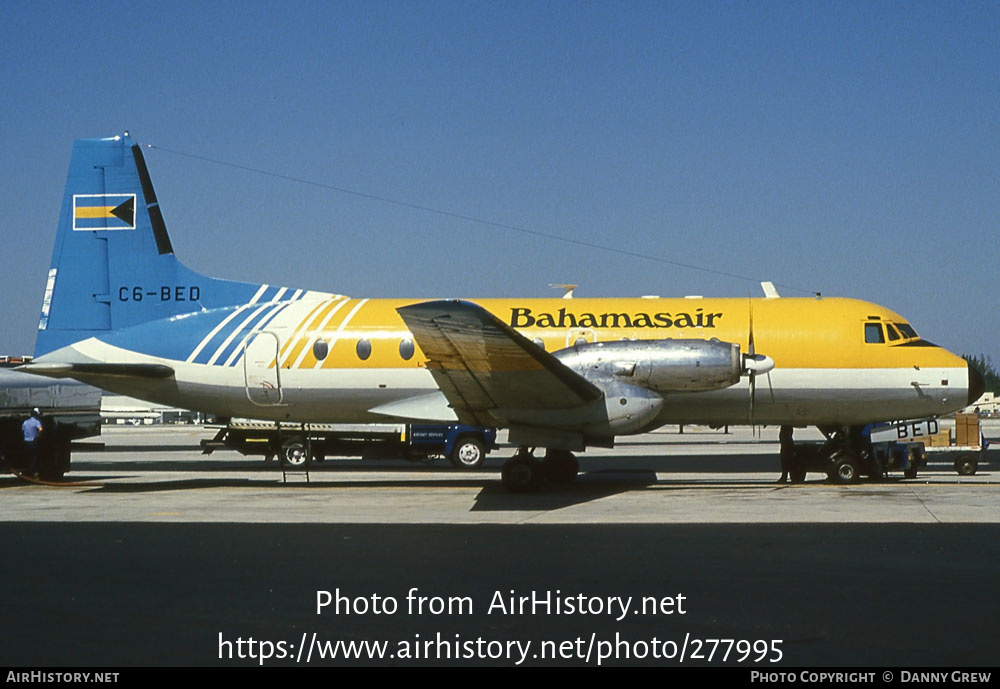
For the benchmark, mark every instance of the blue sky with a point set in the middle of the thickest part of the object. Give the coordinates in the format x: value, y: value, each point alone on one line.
x: 850, y: 148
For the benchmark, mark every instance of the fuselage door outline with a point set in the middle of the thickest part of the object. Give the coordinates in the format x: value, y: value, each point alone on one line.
x: 261, y: 372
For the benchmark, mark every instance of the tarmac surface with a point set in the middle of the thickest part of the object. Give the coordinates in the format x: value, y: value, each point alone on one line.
x: 166, y: 557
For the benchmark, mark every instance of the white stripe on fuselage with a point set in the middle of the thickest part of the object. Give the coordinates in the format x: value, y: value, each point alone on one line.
x: 263, y: 321
x: 339, y: 331
x: 215, y: 331
x: 234, y: 333
x: 259, y: 294
x: 334, y: 337
x: 319, y: 331
x: 304, y: 328
x: 253, y: 300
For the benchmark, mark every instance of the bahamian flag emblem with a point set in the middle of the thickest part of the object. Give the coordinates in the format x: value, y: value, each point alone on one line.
x: 104, y: 211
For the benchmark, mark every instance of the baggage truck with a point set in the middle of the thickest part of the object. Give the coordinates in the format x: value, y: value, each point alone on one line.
x: 297, y: 445
x: 70, y: 411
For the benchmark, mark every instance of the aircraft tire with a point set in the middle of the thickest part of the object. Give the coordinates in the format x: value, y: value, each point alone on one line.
x: 560, y: 466
x: 468, y: 453
x: 966, y: 465
x: 797, y: 474
x: 844, y: 468
x: 521, y: 473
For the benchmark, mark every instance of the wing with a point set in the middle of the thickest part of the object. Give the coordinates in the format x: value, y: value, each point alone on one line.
x: 484, y: 366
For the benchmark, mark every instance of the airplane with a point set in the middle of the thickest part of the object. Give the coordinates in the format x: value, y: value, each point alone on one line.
x: 120, y: 312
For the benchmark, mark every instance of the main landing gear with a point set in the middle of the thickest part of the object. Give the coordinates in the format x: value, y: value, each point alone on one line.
x: 523, y: 472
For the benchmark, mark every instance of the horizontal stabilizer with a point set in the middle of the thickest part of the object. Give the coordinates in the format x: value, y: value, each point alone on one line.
x: 57, y: 370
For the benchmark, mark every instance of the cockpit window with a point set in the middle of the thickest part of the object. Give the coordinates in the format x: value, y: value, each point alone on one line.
x: 873, y: 333
x: 891, y: 332
x: 907, y: 331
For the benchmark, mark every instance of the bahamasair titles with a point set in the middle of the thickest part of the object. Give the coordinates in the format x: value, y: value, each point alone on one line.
x: 121, y: 312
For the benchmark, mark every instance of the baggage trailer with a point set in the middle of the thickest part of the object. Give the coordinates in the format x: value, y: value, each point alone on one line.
x: 964, y: 449
x: 297, y: 445
x: 965, y: 458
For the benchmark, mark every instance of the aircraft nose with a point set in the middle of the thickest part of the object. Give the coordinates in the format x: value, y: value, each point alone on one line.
x: 977, y: 385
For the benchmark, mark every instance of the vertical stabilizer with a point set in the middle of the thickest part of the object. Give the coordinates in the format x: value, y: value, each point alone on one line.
x: 113, y: 264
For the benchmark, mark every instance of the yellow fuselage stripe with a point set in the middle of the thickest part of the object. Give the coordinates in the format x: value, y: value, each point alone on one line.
x: 796, y: 333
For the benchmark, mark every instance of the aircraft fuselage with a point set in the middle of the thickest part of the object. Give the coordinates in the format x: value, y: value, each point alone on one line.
x: 331, y: 358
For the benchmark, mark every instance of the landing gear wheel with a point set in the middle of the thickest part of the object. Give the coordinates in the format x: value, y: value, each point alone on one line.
x: 521, y: 473
x: 294, y: 453
x: 468, y: 453
x: 966, y: 465
x: 797, y: 474
x: 844, y: 468
x: 560, y: 466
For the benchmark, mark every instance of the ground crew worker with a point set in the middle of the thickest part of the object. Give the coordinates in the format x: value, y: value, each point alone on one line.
x: 32, y: 429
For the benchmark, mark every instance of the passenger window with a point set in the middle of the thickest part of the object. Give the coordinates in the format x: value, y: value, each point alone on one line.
x: 406, y: 348
x: 320, y: 349
x: 873, y: 333
x: 891, y: 332
x: 364, y: 349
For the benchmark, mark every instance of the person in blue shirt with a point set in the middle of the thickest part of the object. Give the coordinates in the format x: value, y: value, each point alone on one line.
x: 32, y: 429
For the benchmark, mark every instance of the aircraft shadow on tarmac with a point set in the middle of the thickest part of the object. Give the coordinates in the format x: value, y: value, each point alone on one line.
x: 587, y: 487
x: 492, y: 496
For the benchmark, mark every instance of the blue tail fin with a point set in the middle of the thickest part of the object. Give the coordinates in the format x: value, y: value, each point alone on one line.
x: 113, y: 265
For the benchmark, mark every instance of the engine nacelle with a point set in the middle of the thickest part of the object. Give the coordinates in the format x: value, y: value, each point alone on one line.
x: 672, y: 365
x: 629, y: 408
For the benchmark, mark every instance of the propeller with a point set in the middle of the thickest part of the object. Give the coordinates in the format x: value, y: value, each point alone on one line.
x: 754, y: 364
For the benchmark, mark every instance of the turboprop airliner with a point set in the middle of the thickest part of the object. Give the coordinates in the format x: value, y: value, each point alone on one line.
x: 122, y: 313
